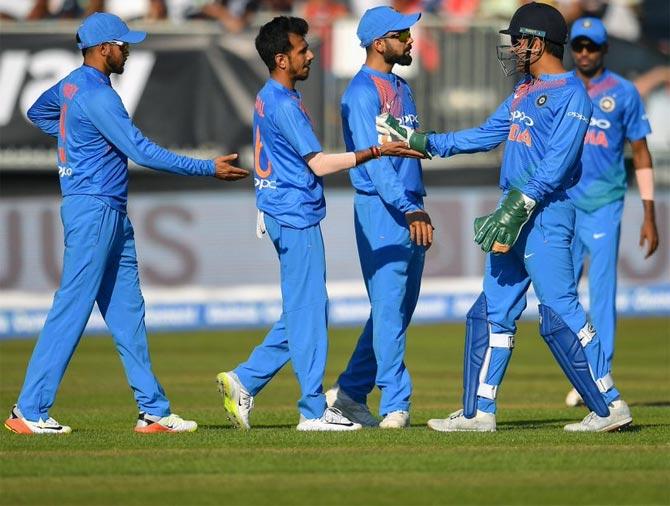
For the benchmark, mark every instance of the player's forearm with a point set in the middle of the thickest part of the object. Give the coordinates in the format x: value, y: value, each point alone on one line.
x: 323, y: 164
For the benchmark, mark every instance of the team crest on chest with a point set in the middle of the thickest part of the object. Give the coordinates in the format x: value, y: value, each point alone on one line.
x: 607, y: 104
x: 541, y: 100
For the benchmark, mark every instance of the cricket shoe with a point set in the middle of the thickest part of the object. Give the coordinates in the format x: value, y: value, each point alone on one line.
x: 618, y: 418
x: 331, y: 420
x: 16, y: 423
x: 151, y: 424
x: 573, y: 399
x: 456, y: 422
x: 395, y: 420
x: 237, y: 402
x: 357, y: 412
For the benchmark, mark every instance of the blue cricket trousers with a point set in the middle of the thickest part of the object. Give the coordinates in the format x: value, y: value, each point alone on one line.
x: 542, y: 255
x: 99, y: 265
x: 392, y: 267
x: 301, y: 334
x: 597, y: 235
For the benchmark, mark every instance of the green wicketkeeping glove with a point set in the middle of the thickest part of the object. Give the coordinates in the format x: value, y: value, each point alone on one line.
x: 498, y: 231
x: 389, y: 126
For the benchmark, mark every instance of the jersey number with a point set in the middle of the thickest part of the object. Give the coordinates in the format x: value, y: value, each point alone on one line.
x: 262, y: 173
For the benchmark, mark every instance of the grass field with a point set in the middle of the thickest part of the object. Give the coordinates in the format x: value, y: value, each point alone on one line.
x: 530, y: 460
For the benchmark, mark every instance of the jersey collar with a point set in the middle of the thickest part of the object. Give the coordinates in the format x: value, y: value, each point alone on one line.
x: 556, y: 77
x: 96, y: 73
x: 279, y: 86
x: 384, y: 75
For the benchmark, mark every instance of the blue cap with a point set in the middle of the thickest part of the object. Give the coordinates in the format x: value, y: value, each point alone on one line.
x: 379, y: 21
x: 101, y: 27
x: 591, y: 28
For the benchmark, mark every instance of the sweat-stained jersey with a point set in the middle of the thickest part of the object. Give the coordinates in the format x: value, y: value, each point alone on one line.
x: 618, y: 114
x: 398, y: 181
x: 286, y: 188
x: 543, y: 123
x: 96, y: 137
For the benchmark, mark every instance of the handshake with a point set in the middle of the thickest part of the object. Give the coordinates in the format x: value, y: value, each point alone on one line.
x: 390, y: 130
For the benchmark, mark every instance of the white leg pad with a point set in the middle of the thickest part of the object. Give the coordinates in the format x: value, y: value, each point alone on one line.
x: 586, y: 335
x: 487, y: 391
x: 605, y: 383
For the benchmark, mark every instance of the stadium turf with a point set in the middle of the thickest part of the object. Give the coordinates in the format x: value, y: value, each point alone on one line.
x: 530, y: 460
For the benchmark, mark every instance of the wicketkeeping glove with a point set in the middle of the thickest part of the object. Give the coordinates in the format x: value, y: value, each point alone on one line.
x: 390, y: 127
x: 498, y: 231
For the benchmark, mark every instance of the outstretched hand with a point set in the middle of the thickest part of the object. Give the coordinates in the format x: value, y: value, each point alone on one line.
x: 226, y: 171
x: 399, y: 148
x: 420, y: 228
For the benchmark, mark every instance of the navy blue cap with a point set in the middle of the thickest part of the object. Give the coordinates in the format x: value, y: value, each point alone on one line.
x: 101, y: 27
x: 379, y: 21
x: 540, y: 20
x: 591, y: 28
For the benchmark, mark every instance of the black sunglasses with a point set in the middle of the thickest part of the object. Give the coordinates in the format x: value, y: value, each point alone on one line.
x: 401, y: 36
x: 591, y: 47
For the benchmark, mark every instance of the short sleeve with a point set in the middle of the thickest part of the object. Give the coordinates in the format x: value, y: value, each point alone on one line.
x: 294, y: 125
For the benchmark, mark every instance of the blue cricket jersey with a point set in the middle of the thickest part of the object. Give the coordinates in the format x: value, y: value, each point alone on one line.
x: 543, y: 123
x: 96, y: 137
x: 398, y: 181
x: 286, y: 188
x: 618, y: 114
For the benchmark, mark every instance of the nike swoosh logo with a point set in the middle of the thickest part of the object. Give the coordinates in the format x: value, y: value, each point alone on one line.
x: 528, y: 256
x: 52, y: 428
x: 599, y: 236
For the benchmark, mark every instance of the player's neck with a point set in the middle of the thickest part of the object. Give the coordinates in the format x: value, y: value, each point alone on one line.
x: 547, y: 65
x: 375, y: 62
x: 98, y: 64
x: 283, y: 79
x: 587, y: 78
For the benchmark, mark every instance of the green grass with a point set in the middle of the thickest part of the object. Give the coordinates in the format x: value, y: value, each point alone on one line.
x: 530, y: 460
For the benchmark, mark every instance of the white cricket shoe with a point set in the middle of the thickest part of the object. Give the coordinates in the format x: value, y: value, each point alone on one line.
x: 395, y: 420
x: 331, y: 420
x: 618, y: 418
x: 573, y: 399
x: 456, y: 422
x: 237, y: 402
x: 152, y: 424
x: 357, y: 412
x: 16, y: 423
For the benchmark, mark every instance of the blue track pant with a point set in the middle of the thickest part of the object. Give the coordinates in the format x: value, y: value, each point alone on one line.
x: 392, y: 267
x: 99, y: 265
x: 542, y: 255
x: 597, y: 235
x: 301, y: 334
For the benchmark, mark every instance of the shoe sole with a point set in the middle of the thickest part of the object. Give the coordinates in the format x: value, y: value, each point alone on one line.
x: 460, y: 430
x: 157, y: 428
x: 226, y: 390
x: 17, y: 426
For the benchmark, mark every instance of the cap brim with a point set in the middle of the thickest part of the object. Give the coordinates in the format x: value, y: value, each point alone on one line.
x: 133, y: 37
x: 407, y: 21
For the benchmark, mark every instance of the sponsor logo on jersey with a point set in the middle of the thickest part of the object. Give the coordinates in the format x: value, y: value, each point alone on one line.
x: 264, y: 184
x: 607, y: 104
x: 600, y: 123
x: 521, y: 117
x: 578, y: 115
x: 541, y: 100
x: 64, y: 171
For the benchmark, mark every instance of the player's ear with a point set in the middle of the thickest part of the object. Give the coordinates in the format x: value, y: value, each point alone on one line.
x: 281, y: 61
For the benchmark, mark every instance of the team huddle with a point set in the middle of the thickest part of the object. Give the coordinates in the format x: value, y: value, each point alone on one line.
x: 562, y: 179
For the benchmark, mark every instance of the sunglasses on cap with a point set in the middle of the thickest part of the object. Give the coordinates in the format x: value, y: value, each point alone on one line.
x: 590, y: 46
x: 401, y: 36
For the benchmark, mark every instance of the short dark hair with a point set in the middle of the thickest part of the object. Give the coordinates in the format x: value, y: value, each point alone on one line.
x: 272, y: 39
x: 554, y: 49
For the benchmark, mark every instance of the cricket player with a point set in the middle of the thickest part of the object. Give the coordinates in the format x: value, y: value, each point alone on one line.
x: 289, y: 166
x: 393, y: 231
x: 95, y: 139
x: 618, y: 115
x: 528, y: 238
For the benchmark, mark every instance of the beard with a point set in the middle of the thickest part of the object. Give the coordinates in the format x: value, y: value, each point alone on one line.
x: 398, y: 59
x: 116, y: 66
